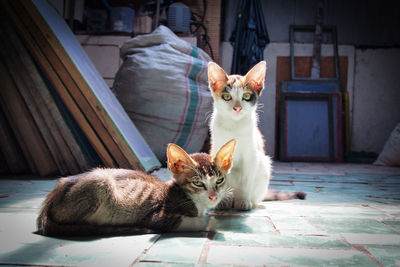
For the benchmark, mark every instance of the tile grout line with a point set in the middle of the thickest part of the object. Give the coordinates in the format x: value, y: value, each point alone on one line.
x: 388, y: 225
x: 316, y: 226
x: 34, y: 265
x: 206, y: 248
x: 276, y: 246
x: 273, y: 225
x: 138, y: 259
x: 390, y: 216
x: 363, y: 250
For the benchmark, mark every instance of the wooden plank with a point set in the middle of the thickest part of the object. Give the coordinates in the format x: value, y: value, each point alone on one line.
x: 3, y: 164
x: 68, y: 146
x: 25, y: 87
x: 76, y: 93
x: 97, y: 93
x: 10, y: 151
x: 94, y: 89
x: 8, y: 85
x: 58, y: 85
x: 17, y: 113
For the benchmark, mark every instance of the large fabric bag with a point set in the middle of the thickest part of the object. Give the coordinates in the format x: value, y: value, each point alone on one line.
x: 390, y: 154
x: 162, y: 84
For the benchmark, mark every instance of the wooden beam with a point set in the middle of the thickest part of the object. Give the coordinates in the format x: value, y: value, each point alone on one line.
x: 67, y: 145
x: 25, y: 87
x: 58, y: 84
x: 10, y: 150
x: 44, y: 40
x: 100, y: 98
x: 29, y: 137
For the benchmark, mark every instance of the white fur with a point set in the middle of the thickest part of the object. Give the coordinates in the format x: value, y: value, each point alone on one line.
x: 251, y: 171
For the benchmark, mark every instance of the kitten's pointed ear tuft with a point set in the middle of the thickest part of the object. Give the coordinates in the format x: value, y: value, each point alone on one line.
x: 224, y: 157
x: 217, y: 77
x: 256, y: 76
x: 178, y: 160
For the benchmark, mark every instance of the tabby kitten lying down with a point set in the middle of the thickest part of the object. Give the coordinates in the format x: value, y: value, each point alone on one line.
x: 119, y: 201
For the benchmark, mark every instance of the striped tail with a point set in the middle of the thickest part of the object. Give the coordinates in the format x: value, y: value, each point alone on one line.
x: 273, y: 195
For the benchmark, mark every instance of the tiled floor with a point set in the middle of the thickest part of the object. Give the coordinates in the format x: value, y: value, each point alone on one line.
x: 351, y: 217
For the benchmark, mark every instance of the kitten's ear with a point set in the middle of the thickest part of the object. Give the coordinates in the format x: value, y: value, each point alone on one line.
x: 178, y: 160
x: 223, y: 158
x: 256, y: 76
x: 217, y: 77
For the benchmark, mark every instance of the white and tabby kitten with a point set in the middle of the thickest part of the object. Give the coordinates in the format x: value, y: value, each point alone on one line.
x: 234, y: 116
x: 119, y: 201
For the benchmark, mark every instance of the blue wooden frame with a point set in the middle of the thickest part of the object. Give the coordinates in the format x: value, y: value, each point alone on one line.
x: 291, y: 133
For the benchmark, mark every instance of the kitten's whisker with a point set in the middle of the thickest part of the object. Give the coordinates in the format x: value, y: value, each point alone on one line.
x: 260, y: 107
x: 208, y: 116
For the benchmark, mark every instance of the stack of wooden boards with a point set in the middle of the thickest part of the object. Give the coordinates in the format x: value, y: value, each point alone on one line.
x: 57, y: 115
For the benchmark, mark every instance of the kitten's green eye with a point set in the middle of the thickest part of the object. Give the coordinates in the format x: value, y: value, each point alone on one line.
x: 198, y: 183
x: 219, y: 181
x: 247, y: 96
x: 226, y: 96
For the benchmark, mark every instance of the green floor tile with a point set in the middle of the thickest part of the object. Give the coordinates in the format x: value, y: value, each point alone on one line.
x: 357, y: 211
x: 240, y: 224
x: 360, y: 209
x: 163, y: 264
x: 117, y: 251
x: 294, y: 224
x: 352, y: 225
x: 377, y: 239
x: 19, y: 200
x: 394, y: 224
x: 9, y: 186
x: 169, y: 264
x: 290, y: 208
x: 389, y: 209
x: 276, y: 240
x: 19, y: 245
x: 388, y: 256
x: 256, y: 256
x: 178, y: 248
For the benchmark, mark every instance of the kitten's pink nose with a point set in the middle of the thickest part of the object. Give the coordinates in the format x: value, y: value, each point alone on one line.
x: 237, y: 108
x: 212, y: 198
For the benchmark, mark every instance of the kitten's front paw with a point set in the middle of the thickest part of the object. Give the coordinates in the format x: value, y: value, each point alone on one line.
x: 225, y: 204
x: 242, y: 204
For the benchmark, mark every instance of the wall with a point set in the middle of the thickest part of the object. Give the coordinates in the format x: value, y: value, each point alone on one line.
x: 103, y: 50
x: 359, y: 23
x: 376, y: 106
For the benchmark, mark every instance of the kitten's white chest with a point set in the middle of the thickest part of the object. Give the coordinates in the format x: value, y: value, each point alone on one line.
x: 250, y: 173
x: 223, y: 130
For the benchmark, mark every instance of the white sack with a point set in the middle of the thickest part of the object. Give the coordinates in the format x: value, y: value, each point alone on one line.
x: 390, y: 154
x: 162, y: 84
